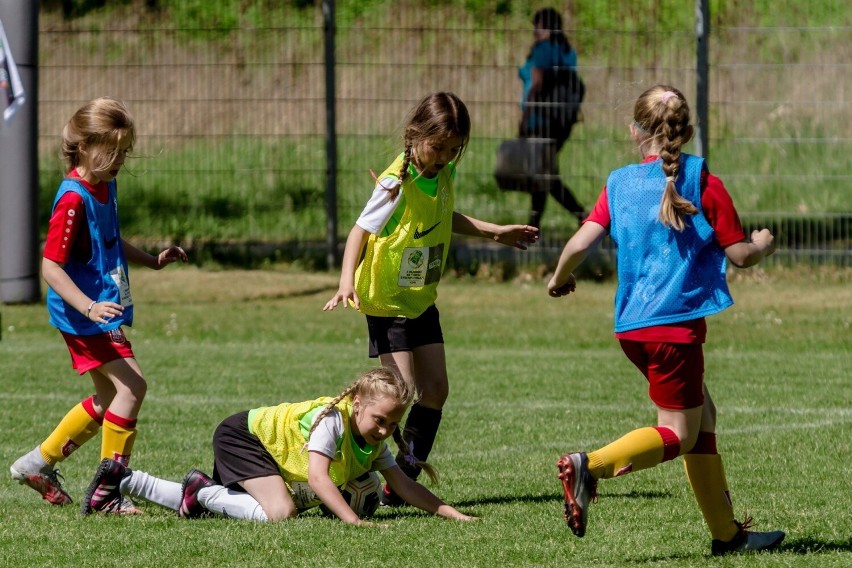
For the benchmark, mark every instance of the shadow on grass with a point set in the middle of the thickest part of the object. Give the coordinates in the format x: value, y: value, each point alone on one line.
x: 811, y: 545
x: 506, y: 499
x: 802, y: 546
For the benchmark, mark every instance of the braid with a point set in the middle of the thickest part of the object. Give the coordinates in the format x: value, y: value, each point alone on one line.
x: 674, y: 206
x: 324, y: 412
x: 663, y: 111
x: 403, y: 172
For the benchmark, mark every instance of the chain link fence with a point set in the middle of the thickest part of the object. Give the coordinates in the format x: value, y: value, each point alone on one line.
x: 232, y: 117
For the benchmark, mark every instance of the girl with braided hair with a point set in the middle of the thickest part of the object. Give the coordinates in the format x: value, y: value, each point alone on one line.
x: 674, y: 225
x: 272, y: 462
x: 395, y: 256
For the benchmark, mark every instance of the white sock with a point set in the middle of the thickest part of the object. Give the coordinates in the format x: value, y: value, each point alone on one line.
x: 30, y: 463
x: 230, y: 503
x: 160, y: 491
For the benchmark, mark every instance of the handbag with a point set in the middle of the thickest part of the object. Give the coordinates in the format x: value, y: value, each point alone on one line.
x: 520, y: 164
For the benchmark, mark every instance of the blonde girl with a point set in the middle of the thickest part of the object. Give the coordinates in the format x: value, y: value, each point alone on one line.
x: 396, y: 254
x: 263, y: 457
x: 85, y: 265
x: 675, y: 225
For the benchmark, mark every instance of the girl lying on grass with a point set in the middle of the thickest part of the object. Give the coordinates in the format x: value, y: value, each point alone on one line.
x: 260, y: 455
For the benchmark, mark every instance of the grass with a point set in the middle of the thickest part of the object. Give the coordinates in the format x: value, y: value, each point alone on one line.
x: 531, y: 377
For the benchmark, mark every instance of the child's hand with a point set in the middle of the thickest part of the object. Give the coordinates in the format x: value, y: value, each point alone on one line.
x: 363, y: 523
x: 518, y: 236
x: 764, y: 240
x: 557, y: 289
x: 170, y: 255
x: 343, y: 296
x: 450, y: 512
x: 103, y: 312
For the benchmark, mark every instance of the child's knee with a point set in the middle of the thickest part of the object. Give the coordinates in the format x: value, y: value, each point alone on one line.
x: 140, y: 390
x: 279, y: 511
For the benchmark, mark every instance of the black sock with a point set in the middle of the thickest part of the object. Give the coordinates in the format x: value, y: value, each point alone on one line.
x: 421, y: 428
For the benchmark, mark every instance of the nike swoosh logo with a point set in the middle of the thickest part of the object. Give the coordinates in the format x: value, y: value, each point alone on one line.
x: 111, y: 242
x: 419, y: 235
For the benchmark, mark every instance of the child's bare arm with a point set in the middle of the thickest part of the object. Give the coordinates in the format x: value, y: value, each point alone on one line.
x: 163, y: 259
x: 415, y: 494
x: 327, y: 491
x: 586, y: 239
x: 749, y: 253
x: 518, y: 236
x: 351, y: 254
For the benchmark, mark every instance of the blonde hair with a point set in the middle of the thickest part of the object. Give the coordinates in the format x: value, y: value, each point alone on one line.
x: 662, y: 113
x: 440, y: 116
x: 372, y: 386
x: 103, y: 123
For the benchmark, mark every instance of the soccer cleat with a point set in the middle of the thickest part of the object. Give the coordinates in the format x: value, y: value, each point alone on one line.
x: 31, y: 469
x: 390, y: 499
x: 190, y: 506
x: 104, y: 493
x: 747, y: 541
x: 580, y: 489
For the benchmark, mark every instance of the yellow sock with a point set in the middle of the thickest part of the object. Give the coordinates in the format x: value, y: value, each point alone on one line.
x: 118, y: 437
x: 74, y: 430
x: 640, y: 449
x: 707, y: 477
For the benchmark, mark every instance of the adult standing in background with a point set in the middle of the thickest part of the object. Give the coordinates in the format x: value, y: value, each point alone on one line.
x: 550, y: 50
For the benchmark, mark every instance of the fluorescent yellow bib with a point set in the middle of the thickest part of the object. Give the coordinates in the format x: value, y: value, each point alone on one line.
x: 282, y: 431
x: 400, y: 272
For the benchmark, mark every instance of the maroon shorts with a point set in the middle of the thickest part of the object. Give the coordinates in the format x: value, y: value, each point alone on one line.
x: 91, y: 351
x: 675, y: 371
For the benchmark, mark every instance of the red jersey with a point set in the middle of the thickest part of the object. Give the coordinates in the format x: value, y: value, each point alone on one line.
x: 68, y: 231
x: 718, y: 208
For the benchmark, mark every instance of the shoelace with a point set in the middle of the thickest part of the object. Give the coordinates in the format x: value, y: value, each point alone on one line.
x: 747, y: 523
x: 54, y: 476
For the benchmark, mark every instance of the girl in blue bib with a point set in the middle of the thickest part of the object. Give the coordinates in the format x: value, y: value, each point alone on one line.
x: 675, y: 227
x: 85, y: 265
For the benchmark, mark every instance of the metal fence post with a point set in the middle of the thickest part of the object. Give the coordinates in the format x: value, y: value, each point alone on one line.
x: 702, y: 36
x: 331, y: 136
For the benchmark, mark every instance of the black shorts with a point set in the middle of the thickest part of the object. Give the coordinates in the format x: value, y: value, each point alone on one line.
x: 389, y: 335
x: 238, y: 454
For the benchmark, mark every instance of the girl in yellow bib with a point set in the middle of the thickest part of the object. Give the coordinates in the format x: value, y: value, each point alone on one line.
x: 272, y: 462
x: 395, y: 256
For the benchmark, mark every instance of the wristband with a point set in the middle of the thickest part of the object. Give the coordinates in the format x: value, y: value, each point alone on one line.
x: 89, y: 309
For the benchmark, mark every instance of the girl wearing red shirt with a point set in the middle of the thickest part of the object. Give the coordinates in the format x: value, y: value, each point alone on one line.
x: 674, y: 226
x: 85, y: 266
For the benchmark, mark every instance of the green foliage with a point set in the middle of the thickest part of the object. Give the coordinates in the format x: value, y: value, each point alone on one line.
x: 255, y: 187
x: 531, y: 377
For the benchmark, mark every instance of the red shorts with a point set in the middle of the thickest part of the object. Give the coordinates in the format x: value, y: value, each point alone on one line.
x: 91, y: 351
x: 675, y: 371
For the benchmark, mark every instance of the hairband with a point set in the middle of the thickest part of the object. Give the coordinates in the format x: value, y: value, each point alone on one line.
x: 667, y: 95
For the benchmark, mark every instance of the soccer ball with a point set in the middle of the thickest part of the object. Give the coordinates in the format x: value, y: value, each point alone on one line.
x: 362, y: 494
x: 303, y: 496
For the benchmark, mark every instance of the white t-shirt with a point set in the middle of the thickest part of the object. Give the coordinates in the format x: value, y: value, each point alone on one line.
x: 325, y: 436
x: 378, y: 210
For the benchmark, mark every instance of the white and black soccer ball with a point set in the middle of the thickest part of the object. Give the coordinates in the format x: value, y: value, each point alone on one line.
x: 363, y: 494
x: 303, y: 496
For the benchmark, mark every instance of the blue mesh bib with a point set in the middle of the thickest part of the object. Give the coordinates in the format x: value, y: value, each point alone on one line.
x: 664, y: 275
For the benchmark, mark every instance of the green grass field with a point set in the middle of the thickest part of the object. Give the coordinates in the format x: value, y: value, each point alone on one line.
x: 531, y: 378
